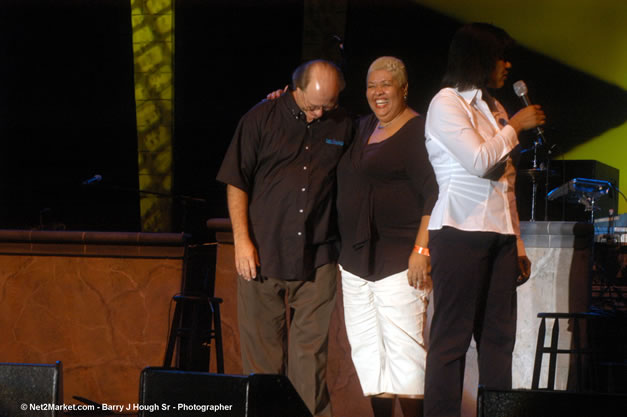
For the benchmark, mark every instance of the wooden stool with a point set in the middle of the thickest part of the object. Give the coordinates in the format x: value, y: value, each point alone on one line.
x: 196, y: 332
x: 553, y: 349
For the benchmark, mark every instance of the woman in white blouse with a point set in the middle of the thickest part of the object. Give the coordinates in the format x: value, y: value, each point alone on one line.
x: 474, y: 237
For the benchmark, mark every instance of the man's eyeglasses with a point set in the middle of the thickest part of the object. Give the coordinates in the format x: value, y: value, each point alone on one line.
x: 313, y: 108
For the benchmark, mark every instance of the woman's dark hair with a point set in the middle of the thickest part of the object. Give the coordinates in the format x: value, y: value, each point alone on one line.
x: 473, y: 53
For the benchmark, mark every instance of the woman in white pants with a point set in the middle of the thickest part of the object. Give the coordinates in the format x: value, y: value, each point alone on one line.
x: 386, y: 190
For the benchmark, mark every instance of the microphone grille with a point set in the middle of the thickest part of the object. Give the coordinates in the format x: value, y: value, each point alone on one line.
x: 520, y: 88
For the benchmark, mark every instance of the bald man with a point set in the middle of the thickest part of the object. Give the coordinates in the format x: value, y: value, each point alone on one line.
x: 280, y: 176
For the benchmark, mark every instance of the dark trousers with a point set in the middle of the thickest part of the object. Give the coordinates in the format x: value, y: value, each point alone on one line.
x: 266, y: 348
x: 474, y: 294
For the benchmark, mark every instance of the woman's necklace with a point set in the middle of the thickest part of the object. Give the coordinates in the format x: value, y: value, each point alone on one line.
x: 382, y: 125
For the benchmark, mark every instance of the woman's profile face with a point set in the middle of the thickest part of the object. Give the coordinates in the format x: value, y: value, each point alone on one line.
x: 499, y: 74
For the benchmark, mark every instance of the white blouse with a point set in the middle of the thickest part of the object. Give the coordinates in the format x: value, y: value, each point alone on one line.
x: 469, y: 149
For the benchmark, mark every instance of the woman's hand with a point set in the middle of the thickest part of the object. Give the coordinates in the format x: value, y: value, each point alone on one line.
x: 528, y: 118
x: 524, y: 269
x: 276, y: 94
x: 419, y: 272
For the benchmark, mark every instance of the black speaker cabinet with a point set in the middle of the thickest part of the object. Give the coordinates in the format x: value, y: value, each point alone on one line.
x: 30, y: 390
x: 173, y: 393
x: 543, y: 403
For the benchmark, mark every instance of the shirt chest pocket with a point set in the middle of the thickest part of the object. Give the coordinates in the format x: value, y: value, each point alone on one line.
x: 332, y: 146
x: 329, y: 154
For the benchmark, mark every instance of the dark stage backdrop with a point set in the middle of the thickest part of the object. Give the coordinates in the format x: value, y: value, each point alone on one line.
x: 67, y: 113
x: 228, y: 56
x: 67, y: 107
x: 230, y: 53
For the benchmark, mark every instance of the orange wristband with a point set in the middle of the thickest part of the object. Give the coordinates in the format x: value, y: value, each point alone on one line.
x: 421, y: 250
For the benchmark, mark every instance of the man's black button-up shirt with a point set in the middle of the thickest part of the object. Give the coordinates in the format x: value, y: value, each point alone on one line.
x: 287, y: 168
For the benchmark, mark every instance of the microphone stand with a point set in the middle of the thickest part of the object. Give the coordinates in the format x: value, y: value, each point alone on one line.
x: 534, y: 183
x: 184, y: 199
x: 538, y: 142
x: 546, y: 184
x: 180, y: 197
x: 549, y: 152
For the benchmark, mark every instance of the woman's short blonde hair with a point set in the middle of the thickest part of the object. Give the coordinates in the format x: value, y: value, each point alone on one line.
x: 393, y: 65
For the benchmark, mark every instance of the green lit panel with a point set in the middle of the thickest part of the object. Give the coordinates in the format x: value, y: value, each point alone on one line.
x: 153, y: 33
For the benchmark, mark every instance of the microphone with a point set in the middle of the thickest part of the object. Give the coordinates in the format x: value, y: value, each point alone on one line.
x: 520, y: 88
x: 340, y: 42
x: 96, y: 178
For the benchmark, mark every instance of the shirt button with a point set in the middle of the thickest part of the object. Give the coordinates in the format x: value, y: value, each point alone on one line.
x: 299, y: 233
x: 303, y: 189
x: 305, y: 167
x: 300, y: 211
x: 306, y: 148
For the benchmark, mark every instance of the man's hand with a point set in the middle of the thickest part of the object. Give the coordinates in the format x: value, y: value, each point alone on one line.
x: 246, y: 259
x: 246, y: 256
x: 419, y: 273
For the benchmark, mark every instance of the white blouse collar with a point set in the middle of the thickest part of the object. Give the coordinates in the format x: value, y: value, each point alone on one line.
x: 470, y: 95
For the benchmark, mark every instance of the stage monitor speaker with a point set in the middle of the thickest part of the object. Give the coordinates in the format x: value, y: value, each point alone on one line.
x: 30, y: 390
x: 545, y: 403
x: 173, y: 393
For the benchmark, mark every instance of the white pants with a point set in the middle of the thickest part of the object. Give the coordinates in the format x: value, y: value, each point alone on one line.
x: 385, y: 322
